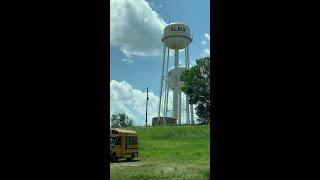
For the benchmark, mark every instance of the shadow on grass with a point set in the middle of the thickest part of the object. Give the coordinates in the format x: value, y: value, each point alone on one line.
x: 122, y: 161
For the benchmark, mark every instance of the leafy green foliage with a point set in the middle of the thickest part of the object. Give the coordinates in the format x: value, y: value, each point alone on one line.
x: 121, y: 120
x: 197, y: 87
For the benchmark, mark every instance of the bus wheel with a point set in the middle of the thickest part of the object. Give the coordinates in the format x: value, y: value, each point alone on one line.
x: 131, y: 157
x: 114, y: 158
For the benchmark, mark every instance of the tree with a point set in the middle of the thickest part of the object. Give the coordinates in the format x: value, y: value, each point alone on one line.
x: 115, y: 121
x: 121, y: 120
x: 197, y: 87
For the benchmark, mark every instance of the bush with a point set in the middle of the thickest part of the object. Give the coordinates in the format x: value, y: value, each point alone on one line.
x: 121, y: 120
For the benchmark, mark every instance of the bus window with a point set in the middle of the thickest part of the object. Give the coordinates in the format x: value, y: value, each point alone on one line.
x: 112, y: 141
x: 118, y: 141
x: 127, y: 139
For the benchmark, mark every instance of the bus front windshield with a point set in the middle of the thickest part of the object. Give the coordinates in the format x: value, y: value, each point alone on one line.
x: 112, y: 141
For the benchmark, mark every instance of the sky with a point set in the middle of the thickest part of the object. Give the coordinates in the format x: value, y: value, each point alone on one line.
x: 136, y: 27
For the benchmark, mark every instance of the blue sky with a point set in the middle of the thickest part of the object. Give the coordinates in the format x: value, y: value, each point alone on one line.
x: 136, y: 27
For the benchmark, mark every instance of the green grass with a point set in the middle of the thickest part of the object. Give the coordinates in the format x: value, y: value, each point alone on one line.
x: 168, y: 152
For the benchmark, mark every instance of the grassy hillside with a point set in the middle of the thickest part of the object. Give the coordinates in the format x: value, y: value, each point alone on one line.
x: 168, y: 152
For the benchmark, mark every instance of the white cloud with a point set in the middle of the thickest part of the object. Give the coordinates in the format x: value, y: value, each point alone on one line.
x: 203, y: 42
x: 206, y: 52
x: 127, y: 60
x: 125, y: 99
x: 135, y: 28
x: 207, y: 36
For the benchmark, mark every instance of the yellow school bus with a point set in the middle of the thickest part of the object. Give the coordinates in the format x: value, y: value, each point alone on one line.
x: 123, y: 144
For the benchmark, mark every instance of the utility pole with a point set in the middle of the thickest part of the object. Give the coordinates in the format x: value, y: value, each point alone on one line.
x: 147, y: 107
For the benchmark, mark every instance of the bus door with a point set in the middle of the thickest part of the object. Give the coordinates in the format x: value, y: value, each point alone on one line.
x: 119, y: 146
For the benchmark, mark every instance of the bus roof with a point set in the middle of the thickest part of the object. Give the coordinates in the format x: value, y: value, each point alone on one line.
x: 124, y: 131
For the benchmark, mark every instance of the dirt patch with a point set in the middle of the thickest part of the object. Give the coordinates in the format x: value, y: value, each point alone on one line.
x: 122, y: 164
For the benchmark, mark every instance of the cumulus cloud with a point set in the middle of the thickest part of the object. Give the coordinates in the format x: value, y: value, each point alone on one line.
x: 207, y: 36
x: 127, y: 60
x: 135, y: 28
x: 206, y: 51
x: 125, y: 99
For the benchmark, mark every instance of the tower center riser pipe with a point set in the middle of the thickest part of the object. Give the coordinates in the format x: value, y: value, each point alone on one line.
x: 175, y: 88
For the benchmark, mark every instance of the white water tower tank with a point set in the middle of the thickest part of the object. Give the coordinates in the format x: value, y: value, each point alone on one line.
x: 177, y: 36
x: 170, y: 79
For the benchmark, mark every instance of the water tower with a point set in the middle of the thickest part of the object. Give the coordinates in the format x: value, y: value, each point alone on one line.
x: 176, y: 36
